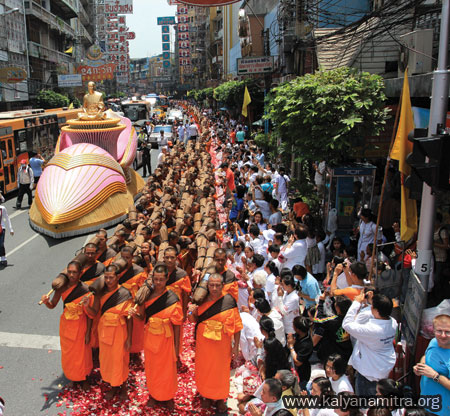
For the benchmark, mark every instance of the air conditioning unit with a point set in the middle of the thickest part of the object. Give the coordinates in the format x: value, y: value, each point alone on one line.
x: 416, y: 52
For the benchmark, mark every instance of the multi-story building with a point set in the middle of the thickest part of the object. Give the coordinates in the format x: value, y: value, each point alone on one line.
x: 38, y: 36
x: 140, y: 76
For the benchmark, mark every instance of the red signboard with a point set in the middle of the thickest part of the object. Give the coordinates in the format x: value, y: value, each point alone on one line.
x: 96, y: 73
x: 131, y: 35
x: 208, y: 3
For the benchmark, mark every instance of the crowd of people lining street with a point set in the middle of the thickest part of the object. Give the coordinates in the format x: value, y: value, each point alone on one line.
x: 214, y: 242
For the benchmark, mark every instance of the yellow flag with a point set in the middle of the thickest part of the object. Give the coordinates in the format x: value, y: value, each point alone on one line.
x: 247, y: 101
x: 70, y: 106
x: 401, y: 148
x: 70, y: 50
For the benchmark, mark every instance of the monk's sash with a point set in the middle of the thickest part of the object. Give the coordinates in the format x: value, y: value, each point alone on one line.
x: 176, y: 275
x: 79, y: 290
x: 228, y: 277
x: 92, y: 272
x: 119, y: 296
x: 223, y: 304
x: 164, y: 301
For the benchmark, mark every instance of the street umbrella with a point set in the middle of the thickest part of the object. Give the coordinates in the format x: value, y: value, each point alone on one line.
x: 140, y: 123
x: 258, y: 123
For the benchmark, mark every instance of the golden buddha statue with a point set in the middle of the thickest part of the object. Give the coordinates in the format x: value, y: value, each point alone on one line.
x: 93, y: 105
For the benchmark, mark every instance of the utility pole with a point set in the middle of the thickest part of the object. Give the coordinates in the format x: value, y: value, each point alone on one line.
x: 438, y: 115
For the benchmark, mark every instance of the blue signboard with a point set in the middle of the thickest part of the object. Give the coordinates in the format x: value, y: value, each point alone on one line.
x: 166, y: 46
x: 166, y: 64
x: 166, y: 56
x: 168, y: 20
x: 165, y: 37
x: 165, y: 29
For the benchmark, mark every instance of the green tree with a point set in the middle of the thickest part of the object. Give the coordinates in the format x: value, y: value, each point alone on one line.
x: 231, y: 94
x: 327, y: 114
x: 51, y: 99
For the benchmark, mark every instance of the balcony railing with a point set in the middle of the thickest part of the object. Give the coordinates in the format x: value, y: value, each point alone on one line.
x: 43, y: 52
x: 55, y: 23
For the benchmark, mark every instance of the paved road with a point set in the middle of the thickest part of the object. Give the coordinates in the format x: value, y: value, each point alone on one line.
x: 30, y: 369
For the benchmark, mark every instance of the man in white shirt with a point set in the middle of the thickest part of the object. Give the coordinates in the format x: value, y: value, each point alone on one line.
x: 193, y: 131
x: 296, y: 249
x: 181, y: 131
x: 281, y: 189
x: 248, y: 334
x: 373, y: 355
x: 25, y: 180
x: 162, y: 155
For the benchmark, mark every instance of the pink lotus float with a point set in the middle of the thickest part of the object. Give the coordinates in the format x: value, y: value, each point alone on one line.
x: 88, y: 184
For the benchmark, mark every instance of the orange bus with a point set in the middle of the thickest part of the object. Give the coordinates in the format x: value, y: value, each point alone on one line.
x: 26, y: 132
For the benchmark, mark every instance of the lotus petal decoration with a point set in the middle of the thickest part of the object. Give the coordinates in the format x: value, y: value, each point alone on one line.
x: 76, y: 181
x: 126, y: 144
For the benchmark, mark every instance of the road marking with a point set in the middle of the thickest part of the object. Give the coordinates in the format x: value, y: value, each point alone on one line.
x: 38, y: 342
x: 23, y: 244
x: 20, y: 211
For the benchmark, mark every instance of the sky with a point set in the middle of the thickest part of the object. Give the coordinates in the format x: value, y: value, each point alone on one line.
x: 143, y: 23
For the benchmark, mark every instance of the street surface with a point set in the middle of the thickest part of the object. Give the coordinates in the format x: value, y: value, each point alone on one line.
x: 30, y: 359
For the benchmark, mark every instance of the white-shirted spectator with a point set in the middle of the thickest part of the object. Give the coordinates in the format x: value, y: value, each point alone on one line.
x: 287, y: 302
x: 248, y: 334
x: 373, y: 355
x: 296, y: 249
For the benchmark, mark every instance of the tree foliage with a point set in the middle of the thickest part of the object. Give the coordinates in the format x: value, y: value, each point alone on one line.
x: 327, y: 114
x: 50, y: 99
x: 201, y: 95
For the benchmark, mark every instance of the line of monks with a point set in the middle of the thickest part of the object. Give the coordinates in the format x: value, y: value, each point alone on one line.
x: 117, y: 322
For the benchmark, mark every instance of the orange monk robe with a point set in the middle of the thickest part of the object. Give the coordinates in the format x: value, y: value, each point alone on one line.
x: 159, y: 351
x: 76, y: 356
x: 213, y: 352
x: 180, y: 283
x: 133, y: 284
x: 112, y: 334
x: 230, y: 284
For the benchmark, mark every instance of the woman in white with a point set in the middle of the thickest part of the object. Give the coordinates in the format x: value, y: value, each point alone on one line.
x: 4, y: 219
x: 287, y: 302
x: 366, y: 231
x: 272, y: 272
x: 335, y: 368
x: 263, y: 307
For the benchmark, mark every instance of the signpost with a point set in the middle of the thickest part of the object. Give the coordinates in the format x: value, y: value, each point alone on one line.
x: 119, y: 6
x: 12, y: 75
x: 412, y: 311
x: 72, y: 80
x: 255, y: 65
x: 168, y: 20
x: 96, y: 73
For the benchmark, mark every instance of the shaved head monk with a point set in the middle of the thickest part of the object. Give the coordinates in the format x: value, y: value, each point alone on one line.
x: 218, y: 333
